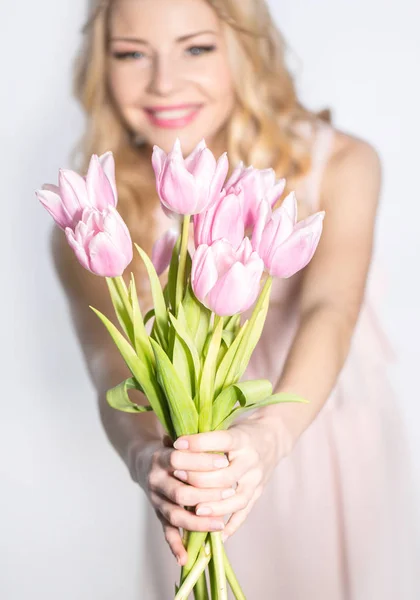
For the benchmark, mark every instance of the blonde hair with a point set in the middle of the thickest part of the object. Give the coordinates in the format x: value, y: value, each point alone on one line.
x: 261, y: 130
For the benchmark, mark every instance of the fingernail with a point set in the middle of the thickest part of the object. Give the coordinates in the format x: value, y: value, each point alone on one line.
x: 203, y: 510
x: 217, y: 525
x: 181, y: 444
x: 219, y: 463
x: 181, y: 475
x: 224, y: 537
x: 228, y: 493
x: 178, y: 560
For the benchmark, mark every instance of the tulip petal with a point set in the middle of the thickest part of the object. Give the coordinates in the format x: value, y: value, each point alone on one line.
x: 73, y: 192
x: 54, y: 205
x: 99, y: 188
x: 162, y: 250
x: 222, y: 168
x: 227, y: 296
x: 274, y: 194
x: 235, y: 177
x: 295, y: 253
x: 263, y: 215
x: 78, y: 249
x: 289, y: 204
x: 158, y: 161
x: 203, y: 272
x: 106, y: 259
x: 177, y: 189
x: 191, y: 162
x: 227, y: 222
x: 108, y: 165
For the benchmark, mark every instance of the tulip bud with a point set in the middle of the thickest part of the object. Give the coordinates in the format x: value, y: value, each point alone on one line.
x: 189, y: 186
x: 67, y: 201
x: 225, y: 280
x: 101, y: 242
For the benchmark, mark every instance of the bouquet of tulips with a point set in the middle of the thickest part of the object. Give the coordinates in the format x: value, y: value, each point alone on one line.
x: 190, y: 359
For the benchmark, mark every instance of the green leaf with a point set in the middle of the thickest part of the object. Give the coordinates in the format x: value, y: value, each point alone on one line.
x: 149, y: 315
x: 192, y: 310
x: 180, y: 328
x: 141, y: 372
x: 205, y: 398
x: 118, y: 398
x: 172, y: 274
x: 275, y: 399
x: 182, y: 362
x: 225, y: 365
x: 251, y: 336
x: 141, y: 338
x: 232, y: 323
x: 161, y: 316
x: 246, y: 393
x: 119, y: 296
x: 182, y: 408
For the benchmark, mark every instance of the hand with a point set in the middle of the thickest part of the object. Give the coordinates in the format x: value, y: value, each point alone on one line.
x: 154, y: 471
x: 254, y: 447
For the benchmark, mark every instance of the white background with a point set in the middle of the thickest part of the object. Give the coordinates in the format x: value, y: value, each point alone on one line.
x: 70, y: 517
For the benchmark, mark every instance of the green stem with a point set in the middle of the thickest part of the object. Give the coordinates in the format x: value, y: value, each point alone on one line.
x: 233, y: 582
x: 182, y: 262
x: 192, y: 577
x: 123, y: 292
x: 200, y: 589
x: 196, y: 539
x: 219, y: 565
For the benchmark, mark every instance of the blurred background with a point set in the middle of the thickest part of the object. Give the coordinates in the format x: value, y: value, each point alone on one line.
x: 70, y: 516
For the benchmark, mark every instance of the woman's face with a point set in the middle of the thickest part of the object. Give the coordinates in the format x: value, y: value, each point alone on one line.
x: 168, y: 70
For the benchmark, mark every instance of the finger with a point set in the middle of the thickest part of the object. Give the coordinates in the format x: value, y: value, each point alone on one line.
x: 187, y: 495
x: 221, y: 478
x: 179, y: 517
x: 211, y: 441
x: 239, y: 517
x: 192, y: 461
x: 238, y: 501
x: 174, y: 539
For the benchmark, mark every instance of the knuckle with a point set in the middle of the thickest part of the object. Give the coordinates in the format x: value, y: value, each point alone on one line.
x: 151, y: 479
x: 174, y: 459
x: 179, y: 496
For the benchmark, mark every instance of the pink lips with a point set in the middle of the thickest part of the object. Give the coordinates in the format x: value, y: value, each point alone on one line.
x: 172, y: 117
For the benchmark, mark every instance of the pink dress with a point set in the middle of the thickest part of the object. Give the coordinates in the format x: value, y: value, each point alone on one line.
x: 337, y: 520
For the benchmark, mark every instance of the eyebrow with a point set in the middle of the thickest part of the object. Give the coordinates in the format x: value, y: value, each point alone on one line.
x: 183, y: 38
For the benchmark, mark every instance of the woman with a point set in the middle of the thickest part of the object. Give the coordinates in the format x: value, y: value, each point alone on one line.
x: 318, y: 494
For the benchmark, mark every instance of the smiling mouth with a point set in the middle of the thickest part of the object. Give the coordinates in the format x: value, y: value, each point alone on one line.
x: 173, y: 117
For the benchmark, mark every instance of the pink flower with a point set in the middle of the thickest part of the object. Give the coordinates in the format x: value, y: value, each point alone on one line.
x: 225, y: 280
x: 255, y: 184
x: 189, y: 186
x: 286, y: 246
x: 101, y: 242
x: 162, y: 250
x: 222, y: 220
x: 74, y: 193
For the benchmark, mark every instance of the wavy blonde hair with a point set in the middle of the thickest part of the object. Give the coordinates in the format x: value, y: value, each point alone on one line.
x: 261, y: 129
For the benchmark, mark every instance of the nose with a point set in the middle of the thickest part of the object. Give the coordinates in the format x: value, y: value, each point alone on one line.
x: 164, y: 77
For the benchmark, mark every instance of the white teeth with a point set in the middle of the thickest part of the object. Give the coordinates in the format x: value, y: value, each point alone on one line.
x: 172, y: 114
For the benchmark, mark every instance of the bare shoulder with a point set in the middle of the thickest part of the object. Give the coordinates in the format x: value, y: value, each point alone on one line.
x: 353, y: 162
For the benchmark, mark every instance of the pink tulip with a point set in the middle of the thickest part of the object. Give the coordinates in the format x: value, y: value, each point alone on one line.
x: 74, y: 193
x: 189, y: 186
x: 222, y: 220
x: 255, y: 184
x: 101, y: 242
x: 225, y: 280
x: 162, y: 250
x: 286, y: 246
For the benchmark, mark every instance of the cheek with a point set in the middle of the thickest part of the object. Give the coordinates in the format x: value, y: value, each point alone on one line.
x: 218, y: 85
x: 125, y: 86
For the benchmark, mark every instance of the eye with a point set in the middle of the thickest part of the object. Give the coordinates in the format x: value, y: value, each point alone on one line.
x: 135, y: 55
x: 200, y: 50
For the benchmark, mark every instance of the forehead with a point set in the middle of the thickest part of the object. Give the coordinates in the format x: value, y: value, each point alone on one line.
x: 172, y: 18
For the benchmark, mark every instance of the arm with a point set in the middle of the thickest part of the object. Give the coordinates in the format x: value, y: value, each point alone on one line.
x: 128, y: 433
x: 333, y: 288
